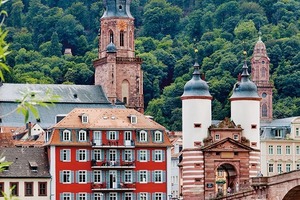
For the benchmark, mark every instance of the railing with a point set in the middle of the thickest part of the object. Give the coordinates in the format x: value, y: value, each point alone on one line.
x: 106, y: 164
x: 259, y: 181
x: 113, y: 143
x: 107, y: 187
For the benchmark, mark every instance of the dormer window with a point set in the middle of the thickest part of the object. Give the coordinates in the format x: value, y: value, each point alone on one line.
x: 157, y: 136
x: 133, y: 119
x: 84, y: 118
x: 143, y: 136
x: 217, y: 137
x: 66, y: 135
x: 235, y: 137
x: 278, y: 133
x: 33, y: 165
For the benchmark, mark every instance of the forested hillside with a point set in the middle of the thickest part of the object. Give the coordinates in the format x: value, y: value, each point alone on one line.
x: 167, y: 32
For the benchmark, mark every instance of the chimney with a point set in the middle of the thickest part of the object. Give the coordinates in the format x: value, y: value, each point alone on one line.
x: 29, y: 129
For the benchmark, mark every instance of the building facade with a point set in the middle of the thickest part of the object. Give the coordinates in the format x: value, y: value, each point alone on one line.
x: 117, y: 69
x: 219, y: 158
x: 109, y: 154
x: 27, y: 175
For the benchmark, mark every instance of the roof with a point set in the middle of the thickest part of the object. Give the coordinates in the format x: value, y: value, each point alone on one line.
x: 116, y: 8
x: 279, y: 122
x: 106, y: 119
x: 26, y: 163
x: 71, y: 96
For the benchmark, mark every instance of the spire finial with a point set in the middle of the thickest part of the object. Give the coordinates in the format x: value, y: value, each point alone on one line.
x: 259, y: 35
x: 245, y: 67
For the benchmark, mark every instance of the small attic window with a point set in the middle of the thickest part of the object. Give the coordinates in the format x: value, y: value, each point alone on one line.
x: 33, y: 165
x: 197, y: 125
x: 38, y: 120
x: 75, y: 96
x: 133, y: 119
x: 84, y: 118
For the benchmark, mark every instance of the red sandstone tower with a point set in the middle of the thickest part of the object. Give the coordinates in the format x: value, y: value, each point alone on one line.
x: 117, y: 69
x: 260, y: 67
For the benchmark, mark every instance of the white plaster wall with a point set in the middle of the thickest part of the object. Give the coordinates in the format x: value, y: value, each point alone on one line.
x: 52, y: 172
x: 246, y: 113
x: 195, y: 111
x: 169, y: 170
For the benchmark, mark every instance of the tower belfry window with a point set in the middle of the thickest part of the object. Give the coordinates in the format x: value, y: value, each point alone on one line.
x: 111, y: 36
x: 122, y: 38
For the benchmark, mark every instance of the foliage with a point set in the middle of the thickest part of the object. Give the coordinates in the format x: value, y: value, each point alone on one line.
x: 167, y: 32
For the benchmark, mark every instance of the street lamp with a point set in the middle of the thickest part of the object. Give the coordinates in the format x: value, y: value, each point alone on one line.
x: 170, y: 196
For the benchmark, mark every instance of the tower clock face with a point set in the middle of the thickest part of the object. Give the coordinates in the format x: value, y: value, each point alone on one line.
x: 264, y: 95
x: 122, y: 25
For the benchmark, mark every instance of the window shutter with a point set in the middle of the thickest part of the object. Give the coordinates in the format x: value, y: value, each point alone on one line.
x: 118, y: 156
x: 162, y: 136
x: 61, y: 135
x: 93, y: 155
x: 139, y: 195
x: 103, y: 180
x: 77, y: 135
x: 163, y: 155
x: 153, y: 178
x: 88, y: 196
x: 69, y: 154
x: 72, y: 177
x: 148, y: 176
x: 138, y: 156
x: 87, y: 155
x: 164, y: 196
x: 72, y: 195
x: 102, y: 155
x: 148, y: 155
x: 138, y: 176
x: 153, y: 136
x: 77, y: 177
x: 61, y: 179
x: 61, y: 154
x: 118, y: 177
x: 92, y: 175
x: 153, y: 196
x: 123, y: 155
x: 133, y: 176
x: 61, y: 197
x: 88, y: 176
x: 77, y: 154
x: 133, y: 156
x: 153, y: 155
x: 117, y: 135
x: 163, y: 176
x: 77, y: 196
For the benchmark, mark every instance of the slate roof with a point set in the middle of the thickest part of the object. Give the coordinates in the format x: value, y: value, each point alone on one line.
x: 71, y: 96
x: 21, y: 159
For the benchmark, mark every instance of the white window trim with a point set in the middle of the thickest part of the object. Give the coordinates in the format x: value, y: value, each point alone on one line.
x: 84, y: 135
x: 145, y: 134
x: 64, y: 135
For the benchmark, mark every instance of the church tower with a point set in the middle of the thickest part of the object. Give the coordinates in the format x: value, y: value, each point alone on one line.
x: 117, y: 69
x: 260, y: 71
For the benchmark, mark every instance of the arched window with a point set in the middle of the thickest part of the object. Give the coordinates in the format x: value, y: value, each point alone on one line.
x: 264, y: 110
x: 122, y: 38
x: 125, y: 91
x: 111, y: 36
x: 263, y: 72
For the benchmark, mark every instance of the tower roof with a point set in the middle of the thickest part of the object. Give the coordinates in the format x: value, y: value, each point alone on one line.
x: 196, y: 86
x: 117, y: 8
x: 245, y: 88
x: 259, y: 49
x: 111, y: 48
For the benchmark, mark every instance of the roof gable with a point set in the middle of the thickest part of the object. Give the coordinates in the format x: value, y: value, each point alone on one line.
x: 227, y: 144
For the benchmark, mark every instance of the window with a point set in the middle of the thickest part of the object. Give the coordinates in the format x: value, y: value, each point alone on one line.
x: 143, y: 196
x: 81, y: 176
x: 81, y: 155
x: 127, y: 135
x: 297, y: 150
x: 28, y: 188
x: 158, y: 196
x: 66, y: 135
x: 98, y: 196
x: 158, y: 176
x: 288, y: 167
x: 82, y: 196
x: 279, y: 168
x: 65, y: 155
x: 128, y: 196
x: 84, y: 119
x: 264, y: 110
x: 253, y: 126
x: 97, y: 176
x: 235, y: 137
x: 217, y: 137
x: 278, y: 133
x: 143, y: 155
x: 122, y: 38
x: 112, y: 155
x: 278, y: 150
x: 143, y: 136
x: 298, y: 166
x: 15, y: 190
x: 1, y: 188
x: 82, y: 136
x: 66, y: 196
x: 271, y: 167
x: 112, y: 135
x: 133, y: 119
x: 127, y: 155
x: 197, y: 125
x: 271, y: 150
x: 42, y: 188
x: 66, y: 176
x: 143, y: 176
x: 111, y: 36
x: 157, y: 136
x: 128, y: 176
x: 297, y: 132
x: 97, y: 154
x: 158, y: 155
x: 112, y: 196
x: 288, y: 150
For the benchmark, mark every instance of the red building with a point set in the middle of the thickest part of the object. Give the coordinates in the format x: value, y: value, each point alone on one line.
x: 109, y: 154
